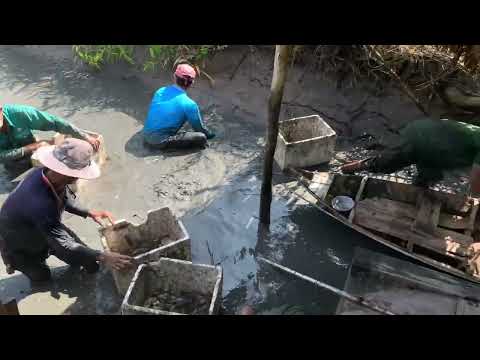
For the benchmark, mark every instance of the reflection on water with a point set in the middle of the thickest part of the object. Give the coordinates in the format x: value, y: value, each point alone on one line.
x: 301, y: 237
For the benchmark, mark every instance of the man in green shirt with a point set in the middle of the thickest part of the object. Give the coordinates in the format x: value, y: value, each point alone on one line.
x: 17, y: 142
x: 433, y: 146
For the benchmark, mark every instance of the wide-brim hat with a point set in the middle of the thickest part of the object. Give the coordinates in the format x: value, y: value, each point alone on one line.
x: 73, y: 157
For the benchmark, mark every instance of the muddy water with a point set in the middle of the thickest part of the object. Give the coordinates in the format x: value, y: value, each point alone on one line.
x: 301, y: 237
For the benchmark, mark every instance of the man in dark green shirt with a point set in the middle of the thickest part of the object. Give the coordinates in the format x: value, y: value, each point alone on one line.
x: 17, y: 141
x: 433, y: 146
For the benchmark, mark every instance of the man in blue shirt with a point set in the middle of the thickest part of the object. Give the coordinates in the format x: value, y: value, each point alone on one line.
x: 31, y: 225
x: 170, y: 108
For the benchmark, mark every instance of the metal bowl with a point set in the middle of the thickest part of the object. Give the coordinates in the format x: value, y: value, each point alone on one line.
x: 343, y: 203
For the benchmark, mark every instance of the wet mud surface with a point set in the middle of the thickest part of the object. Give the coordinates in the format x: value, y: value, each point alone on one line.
x: 214, y: 191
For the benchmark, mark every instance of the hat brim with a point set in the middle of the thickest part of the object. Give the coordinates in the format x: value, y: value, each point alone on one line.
x: 46, y: 158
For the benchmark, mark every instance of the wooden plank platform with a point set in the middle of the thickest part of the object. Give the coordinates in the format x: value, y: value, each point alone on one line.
x: 445, y: 222
x: 372, y: 215
x: 427, y: 214
x: 452, y: 203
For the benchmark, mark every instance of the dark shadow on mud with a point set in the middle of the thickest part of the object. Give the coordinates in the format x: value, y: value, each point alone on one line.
x: 95, y: 294
x: 101, y: 299
x: 137, y: 147
x: 59, y: 82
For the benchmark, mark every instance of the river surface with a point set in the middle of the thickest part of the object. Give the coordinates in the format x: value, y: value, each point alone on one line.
x: 301, y: 237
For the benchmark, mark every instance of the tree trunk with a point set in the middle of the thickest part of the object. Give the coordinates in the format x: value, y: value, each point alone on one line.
x: 283, y: 54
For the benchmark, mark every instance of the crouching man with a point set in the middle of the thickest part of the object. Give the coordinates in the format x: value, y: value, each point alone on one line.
x: 170, y: 109
x: 17, y: 142
x: 31, y: 225
x: 434, y: 146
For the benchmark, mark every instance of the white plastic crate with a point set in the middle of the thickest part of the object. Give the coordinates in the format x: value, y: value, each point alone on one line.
x: 174, y: 276
x: 161, y: 235
x: 304, y: 142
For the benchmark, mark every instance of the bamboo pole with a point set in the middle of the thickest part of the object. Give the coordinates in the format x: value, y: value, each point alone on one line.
x: 355, y: 299
x: 283, y: 54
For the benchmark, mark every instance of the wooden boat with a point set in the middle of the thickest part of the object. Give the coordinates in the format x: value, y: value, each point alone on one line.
x: 436, y: 228
x: 404, y: 288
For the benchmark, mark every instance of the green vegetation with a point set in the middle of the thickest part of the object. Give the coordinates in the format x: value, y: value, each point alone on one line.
x: 165, y: 55
x: 154, y: 56
x: 97, y: 55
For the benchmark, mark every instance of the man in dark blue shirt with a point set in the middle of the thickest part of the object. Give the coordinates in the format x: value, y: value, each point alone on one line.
x: 170, y: 108
x: 30, y: 219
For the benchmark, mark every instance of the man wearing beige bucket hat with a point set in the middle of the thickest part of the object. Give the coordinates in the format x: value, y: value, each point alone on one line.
x: 30, y: 219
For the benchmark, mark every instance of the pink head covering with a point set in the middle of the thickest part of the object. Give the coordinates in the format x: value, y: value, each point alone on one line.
x: 185, y: 70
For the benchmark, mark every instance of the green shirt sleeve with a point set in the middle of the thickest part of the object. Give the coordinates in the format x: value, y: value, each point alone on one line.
x: 34, y: 119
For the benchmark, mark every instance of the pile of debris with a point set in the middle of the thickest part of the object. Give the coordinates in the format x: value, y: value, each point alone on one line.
x: 423, y: 72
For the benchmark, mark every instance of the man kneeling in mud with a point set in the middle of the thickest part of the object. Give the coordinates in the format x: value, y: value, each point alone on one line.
x: 30, y: 219
x: 433, y: 146
x: 170, y: 108
x: 17, y: 142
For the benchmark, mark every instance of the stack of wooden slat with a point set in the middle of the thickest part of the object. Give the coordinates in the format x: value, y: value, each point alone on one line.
x: 423, y: 225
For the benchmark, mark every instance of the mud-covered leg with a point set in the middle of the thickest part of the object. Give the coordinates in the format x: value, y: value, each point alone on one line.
x: 34, y: 267
x: 187, y: 140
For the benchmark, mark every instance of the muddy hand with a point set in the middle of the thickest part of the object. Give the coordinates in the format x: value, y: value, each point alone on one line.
x: 42, y: 144
x: 99, y: 215
x: 94, y: 142
x: 116, y: 261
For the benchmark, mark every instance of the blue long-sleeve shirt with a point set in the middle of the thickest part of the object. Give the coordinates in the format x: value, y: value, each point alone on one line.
x: 170, y: 109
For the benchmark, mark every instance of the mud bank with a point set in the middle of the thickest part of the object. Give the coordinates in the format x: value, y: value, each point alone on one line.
x: 114, y: 102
